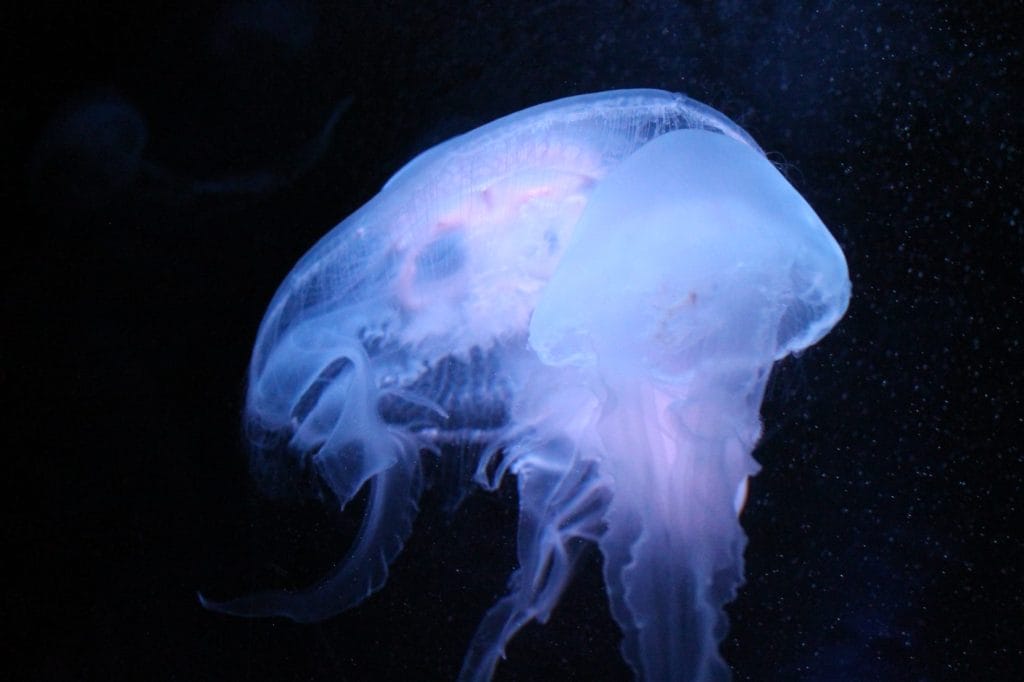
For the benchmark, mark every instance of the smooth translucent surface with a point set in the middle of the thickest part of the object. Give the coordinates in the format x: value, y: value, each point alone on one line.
x: 591, y: 292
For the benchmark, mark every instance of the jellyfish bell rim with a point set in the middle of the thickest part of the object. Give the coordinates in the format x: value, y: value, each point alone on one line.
x: 699, y: 115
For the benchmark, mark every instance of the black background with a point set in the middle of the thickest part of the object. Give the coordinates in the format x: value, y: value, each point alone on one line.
x: 885, y: 525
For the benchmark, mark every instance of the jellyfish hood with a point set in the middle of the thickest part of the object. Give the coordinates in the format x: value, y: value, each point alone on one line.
x: 587, y: 295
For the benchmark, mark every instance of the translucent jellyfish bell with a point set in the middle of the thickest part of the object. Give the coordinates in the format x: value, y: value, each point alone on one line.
x: 692, y: 247
x: 589, y: 295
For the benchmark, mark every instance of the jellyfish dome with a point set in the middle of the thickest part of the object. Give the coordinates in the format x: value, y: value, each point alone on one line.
x: 590, y: 294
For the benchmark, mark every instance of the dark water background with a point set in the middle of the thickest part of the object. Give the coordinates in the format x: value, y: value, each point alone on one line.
x: 885, y: 526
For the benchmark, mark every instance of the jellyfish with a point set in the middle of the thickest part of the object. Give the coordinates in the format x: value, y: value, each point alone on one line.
x: 91, y: 156
x: 591, y: 293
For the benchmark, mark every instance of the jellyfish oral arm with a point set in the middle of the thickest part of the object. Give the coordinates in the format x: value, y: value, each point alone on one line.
x: 673, y: 544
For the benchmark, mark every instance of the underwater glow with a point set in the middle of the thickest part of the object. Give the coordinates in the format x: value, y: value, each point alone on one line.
x: 592, y: 292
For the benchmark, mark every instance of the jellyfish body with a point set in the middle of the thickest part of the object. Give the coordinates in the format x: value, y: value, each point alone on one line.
x: 593, y: 292
x: 91, y: 155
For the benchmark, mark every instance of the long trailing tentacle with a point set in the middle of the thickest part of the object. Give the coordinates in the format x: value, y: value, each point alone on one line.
x: 562, y: 503
x: 390, y: 512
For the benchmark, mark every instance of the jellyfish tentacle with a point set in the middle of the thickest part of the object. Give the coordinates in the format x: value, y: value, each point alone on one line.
x: 391, y: 509
x: 359, y: 444
x: 561, y: 505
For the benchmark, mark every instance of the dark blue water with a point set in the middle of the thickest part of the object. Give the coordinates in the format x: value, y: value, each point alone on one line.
x: 165, y: 168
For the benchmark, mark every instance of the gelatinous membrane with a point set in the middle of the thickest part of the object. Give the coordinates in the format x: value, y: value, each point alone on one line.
x: 593, y: 291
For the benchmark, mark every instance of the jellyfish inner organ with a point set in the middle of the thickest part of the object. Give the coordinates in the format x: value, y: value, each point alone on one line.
x: 592, y: 292
x: 481, y: 261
